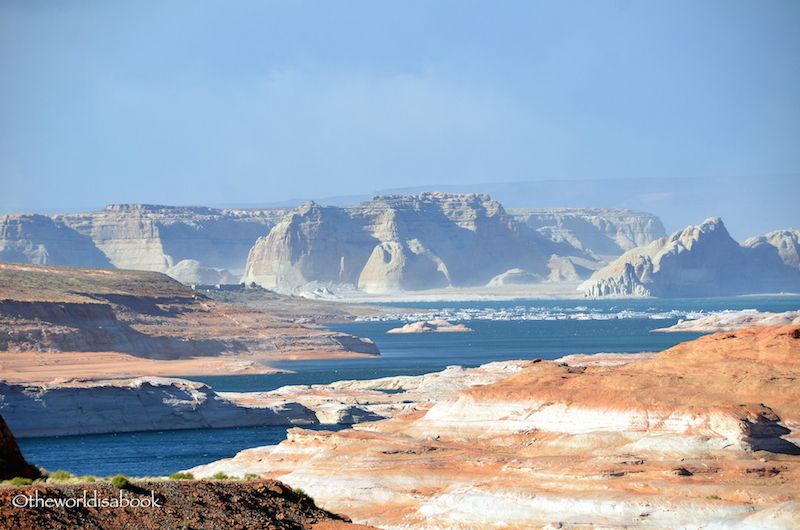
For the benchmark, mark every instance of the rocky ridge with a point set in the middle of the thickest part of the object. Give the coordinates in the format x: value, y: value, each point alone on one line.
x: 434, y: 240
x: 699, y: 261
x: 139, y: 237
x: 159, y: 403
x: 53, y: 311
x: 391, y: 242
x: 702, y: 436
x: 736, y: 320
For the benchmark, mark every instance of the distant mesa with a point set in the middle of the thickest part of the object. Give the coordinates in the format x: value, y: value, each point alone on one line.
x: 702, y: 261
x: 407, y: 243
x: 397, y: 243
x: 432, y: 326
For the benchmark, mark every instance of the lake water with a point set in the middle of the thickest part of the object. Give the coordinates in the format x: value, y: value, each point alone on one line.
x: 162, y: 453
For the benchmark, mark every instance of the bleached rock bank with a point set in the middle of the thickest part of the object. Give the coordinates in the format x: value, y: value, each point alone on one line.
x: 129, y: 405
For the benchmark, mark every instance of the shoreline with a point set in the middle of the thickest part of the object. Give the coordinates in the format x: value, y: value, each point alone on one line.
x: 47, y: 367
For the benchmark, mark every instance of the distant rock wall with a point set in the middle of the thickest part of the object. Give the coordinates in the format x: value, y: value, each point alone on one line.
x: 600, y: 231
x: 136, y: 236
x: 394, y: 243
x: 391, y: 243
x: 699, y: 261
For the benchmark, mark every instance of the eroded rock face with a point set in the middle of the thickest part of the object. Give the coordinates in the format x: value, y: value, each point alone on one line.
x: 698, y: 261
x: 130, y: 405
x: 394, y: 243
x: 701, y: 435
x: 600, y: 231
x: 136, y: 236
x: 786, y: 241
x: 390, y: 243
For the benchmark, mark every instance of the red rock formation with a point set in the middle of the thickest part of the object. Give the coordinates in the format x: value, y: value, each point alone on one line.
x: 704, y: 432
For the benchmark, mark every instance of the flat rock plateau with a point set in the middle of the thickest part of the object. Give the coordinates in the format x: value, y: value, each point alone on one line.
x: 702, y: 435
x: 72, y: 322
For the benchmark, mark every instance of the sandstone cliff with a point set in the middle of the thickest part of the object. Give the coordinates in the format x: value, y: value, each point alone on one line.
x: 702, y: 436
x: 136, y: 236
x: 599, y: 231
x: 698, y: 261
x: 389, y: 243
x: 57, y: 311
x: 434, y: 240
x: 786, y: 241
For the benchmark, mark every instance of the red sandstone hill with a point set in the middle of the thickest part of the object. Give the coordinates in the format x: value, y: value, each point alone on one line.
x: 83, y: 322
x: 702, y: 436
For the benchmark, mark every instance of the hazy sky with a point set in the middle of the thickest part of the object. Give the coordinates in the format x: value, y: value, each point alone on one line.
x: 200, y: 102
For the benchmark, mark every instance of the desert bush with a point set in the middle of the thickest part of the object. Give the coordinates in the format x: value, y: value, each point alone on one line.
x: 180, y: 475
x: 120, y: 481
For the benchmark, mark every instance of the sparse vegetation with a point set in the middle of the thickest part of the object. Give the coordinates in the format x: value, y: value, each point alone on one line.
x: 251, y: 476
x: 303, y: 495
x: 181, y: 475
x: 20, y: 481
x: 120, y: 481
x: 60, y: 475
x: 219, y: 475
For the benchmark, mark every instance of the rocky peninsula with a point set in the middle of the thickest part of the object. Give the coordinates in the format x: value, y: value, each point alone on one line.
x: 70, y: 322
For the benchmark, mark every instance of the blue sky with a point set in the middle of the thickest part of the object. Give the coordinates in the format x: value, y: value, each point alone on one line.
x: 200, y: 102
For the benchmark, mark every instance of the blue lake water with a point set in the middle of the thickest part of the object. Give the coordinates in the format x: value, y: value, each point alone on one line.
x: 162, y: 453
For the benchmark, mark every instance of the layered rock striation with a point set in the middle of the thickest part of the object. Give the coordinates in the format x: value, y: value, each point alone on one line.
x: 389, y: 243
x: 699, y: 261
x: 52, y: 311
x: 701, y: 436
x: 137, y: 236
x: 394, y: 243
x: 599, y: 231
x: 132, y: 405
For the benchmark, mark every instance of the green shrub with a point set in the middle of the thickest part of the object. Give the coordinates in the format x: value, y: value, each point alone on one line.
x: 180, y: 475
x: 20, y: 481
x: 302, y: 494
x: 219, y: 475
x: 120, y: 481
x: 251, y: 476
